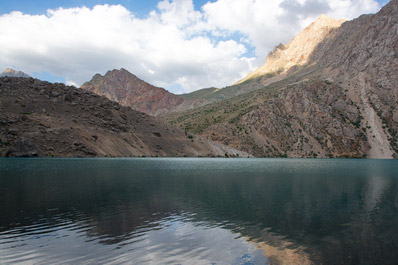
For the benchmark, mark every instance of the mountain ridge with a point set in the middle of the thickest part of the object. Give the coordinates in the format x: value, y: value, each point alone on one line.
x: 128, y: 90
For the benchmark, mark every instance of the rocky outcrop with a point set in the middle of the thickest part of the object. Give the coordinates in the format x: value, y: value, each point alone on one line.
x: 13, y: 73
x: 128, y: 90
x: 42, y: 119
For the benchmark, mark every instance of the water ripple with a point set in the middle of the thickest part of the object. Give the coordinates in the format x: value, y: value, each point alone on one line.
x: 198, y: 211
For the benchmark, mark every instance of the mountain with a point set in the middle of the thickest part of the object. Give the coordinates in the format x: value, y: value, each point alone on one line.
x: 330, y: 92
x: 13, y: 73
x: 127, y: 89
x: 298, y: 51
x: 43, y: 119
x: 278, y: 62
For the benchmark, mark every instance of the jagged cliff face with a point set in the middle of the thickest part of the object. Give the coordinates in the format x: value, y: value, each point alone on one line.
x: 42, y: 119
x: 334, y: 95
x: 128, y: 90
x: 13, y: 73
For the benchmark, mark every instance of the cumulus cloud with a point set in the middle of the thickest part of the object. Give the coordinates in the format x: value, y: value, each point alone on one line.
x: 175, y: 45
x: 270, y: 22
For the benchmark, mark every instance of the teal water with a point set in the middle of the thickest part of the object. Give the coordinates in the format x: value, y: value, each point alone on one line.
x: 198, y: 211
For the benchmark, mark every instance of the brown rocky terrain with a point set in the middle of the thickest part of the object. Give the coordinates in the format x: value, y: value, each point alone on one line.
x: 42, y: 119
x: 307, y: 119
x: 127, y: 89
x: 333, y: 95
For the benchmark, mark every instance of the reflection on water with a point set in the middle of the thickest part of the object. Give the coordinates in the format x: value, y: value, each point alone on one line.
x: 170, y: 241
x: 198, y: 211
x: 374, y: 191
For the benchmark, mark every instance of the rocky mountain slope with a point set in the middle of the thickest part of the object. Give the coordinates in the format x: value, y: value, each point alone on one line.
x: 308, y: 119
x: 127, y: 89
x: 13, y: 73
x: 42, y: 119
x: 334, y: 95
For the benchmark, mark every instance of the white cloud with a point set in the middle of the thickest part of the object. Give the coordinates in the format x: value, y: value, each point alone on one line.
x: 270, y: 22
x: 174, y: 45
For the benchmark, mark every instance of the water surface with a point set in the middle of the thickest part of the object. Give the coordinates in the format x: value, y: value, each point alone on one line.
x: 198, y: 211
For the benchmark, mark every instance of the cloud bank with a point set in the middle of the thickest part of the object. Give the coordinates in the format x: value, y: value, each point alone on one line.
x: 175, y: 46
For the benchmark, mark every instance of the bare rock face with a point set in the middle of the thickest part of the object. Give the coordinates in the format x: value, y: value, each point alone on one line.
x: 128, y: 90
x: 13, y: 73
x: 43, y: 119
x: 312, y: 119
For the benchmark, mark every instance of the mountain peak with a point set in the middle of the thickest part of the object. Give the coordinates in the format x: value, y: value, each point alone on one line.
x: 323, y: 17
x: 129, y: 90
x: 124, y: 70
x: 298, y: 50
x: 120, y: 73
x: 13, y: 73
x: 323, y: 21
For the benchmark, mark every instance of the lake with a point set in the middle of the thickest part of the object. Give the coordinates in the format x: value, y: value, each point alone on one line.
x: 198, y: 211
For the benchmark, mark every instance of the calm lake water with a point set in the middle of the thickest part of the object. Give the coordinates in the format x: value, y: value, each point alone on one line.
x: 198, y: 211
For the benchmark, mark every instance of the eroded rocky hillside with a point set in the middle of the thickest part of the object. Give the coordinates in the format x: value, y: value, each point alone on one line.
x: 308, y: 119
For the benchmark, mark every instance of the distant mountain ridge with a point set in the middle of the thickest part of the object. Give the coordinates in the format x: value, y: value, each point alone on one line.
x: 13, y: 73
x: 127, y: 89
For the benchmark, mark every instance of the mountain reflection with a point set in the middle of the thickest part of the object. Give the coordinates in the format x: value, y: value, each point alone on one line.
x: 293, y: 211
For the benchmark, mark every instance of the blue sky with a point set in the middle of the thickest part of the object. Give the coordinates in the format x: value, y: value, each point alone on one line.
x: 182, y: 45
x: 141, y: 8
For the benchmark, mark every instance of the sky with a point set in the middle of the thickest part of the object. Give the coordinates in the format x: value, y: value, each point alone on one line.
x: 181, y: 45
